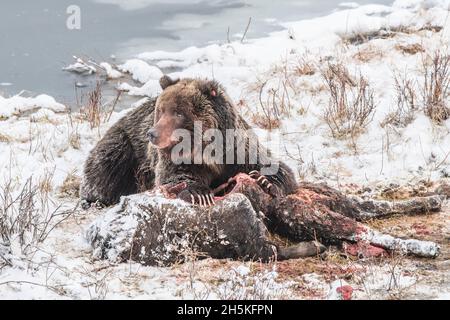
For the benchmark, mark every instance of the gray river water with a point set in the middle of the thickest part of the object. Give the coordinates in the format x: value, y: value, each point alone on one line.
x: 35, y: 42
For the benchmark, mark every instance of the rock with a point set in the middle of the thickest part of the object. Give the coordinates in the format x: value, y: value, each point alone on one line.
x: 444, y: 190
x: 158, y: 231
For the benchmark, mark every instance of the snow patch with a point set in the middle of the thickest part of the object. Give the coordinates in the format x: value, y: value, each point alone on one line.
x: 17, y: 105
x: 141, y: 71
x: 110, y: 71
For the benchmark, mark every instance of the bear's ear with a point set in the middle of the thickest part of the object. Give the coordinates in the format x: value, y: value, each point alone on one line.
x: 166, y: 81
x: 210, y: 88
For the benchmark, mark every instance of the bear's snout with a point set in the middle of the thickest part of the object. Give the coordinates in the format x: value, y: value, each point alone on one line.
x: 161, y: 136
x: 153, y: 136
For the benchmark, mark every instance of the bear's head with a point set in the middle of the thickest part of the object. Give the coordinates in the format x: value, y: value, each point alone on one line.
x: 186, y: 102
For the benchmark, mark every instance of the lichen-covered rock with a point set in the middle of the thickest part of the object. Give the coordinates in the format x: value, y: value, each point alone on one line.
x: 157, y: 231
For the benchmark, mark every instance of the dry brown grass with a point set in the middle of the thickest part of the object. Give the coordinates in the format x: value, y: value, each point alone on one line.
x: 351, y: 102
x: 45, y: 183
x: 368, y: 53
x: 74, y: 141
x: 385, y: 33
x: 5, y: 138
x: 364, y: 37
x: 278, y: 88
x: 431, y: 27
x: 274, y: 103
x: 265, y: 122
x: 45, y: 119
x: 405, y: 102
x: 93, y: 109
x: 28, y: 214
x: 436, y: 87
x: 411, y: 49
x: 305, y: 67
x: 71, y: 186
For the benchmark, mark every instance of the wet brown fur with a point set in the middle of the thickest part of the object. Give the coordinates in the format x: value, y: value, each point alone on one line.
x: 124, y: 162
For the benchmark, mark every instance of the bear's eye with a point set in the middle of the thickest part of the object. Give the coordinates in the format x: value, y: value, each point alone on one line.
x: 178, y: 114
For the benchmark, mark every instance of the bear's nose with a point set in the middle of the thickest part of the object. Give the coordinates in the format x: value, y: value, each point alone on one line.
x: 153, y: 135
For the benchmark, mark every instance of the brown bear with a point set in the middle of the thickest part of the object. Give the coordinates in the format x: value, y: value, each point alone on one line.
x: 138, y: 152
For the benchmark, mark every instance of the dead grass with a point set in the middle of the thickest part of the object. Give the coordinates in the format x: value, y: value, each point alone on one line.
x: 364, y: 37
x: 411, y: 49
x: 266, y: 122
x: 91, y: 112
x: 385, y: 33
x: 45, y: 183
x: 406, y: 103
x: 305, y: 168
x: 329, y: 270
x: 368, y: 53
x: 260, y: 284
x: 45, y: 119
x: 71, y: 186
x: 351, y: 102
x: 94, y: 111
x: 305, y: 67
x: 277, y: 101
x: 277, y: 90
x: 75, y: 140
x: 431, y: 27
x: 231, y: 280
x: 5, y: 138
x: 436, y: 87
x: 28, y: 215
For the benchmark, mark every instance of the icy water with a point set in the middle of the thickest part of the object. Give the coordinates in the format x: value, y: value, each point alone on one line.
x: 35, y: 42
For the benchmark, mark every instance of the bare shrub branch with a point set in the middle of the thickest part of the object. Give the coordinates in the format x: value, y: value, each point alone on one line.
x: 276, y: 103
x: 28, y: 215
x: 435, y: 88
x: 405, y: 102
x: 351, y: 105
x: 93, y: 109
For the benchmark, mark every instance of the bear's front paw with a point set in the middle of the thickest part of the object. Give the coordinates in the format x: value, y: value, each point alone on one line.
x: 197, y: 197
x: 264, y: 183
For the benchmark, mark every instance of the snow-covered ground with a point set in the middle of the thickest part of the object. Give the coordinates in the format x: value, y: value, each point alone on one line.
x: 278, y: 79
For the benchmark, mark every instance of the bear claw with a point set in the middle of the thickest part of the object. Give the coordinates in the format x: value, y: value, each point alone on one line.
x: 262, y: 181
x: 203, y: 200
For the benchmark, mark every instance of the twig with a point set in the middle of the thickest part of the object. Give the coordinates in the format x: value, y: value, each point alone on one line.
x: 54, y: 289
x: 116, y: 100
x: 443, y: 161
x: 246, y: 29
